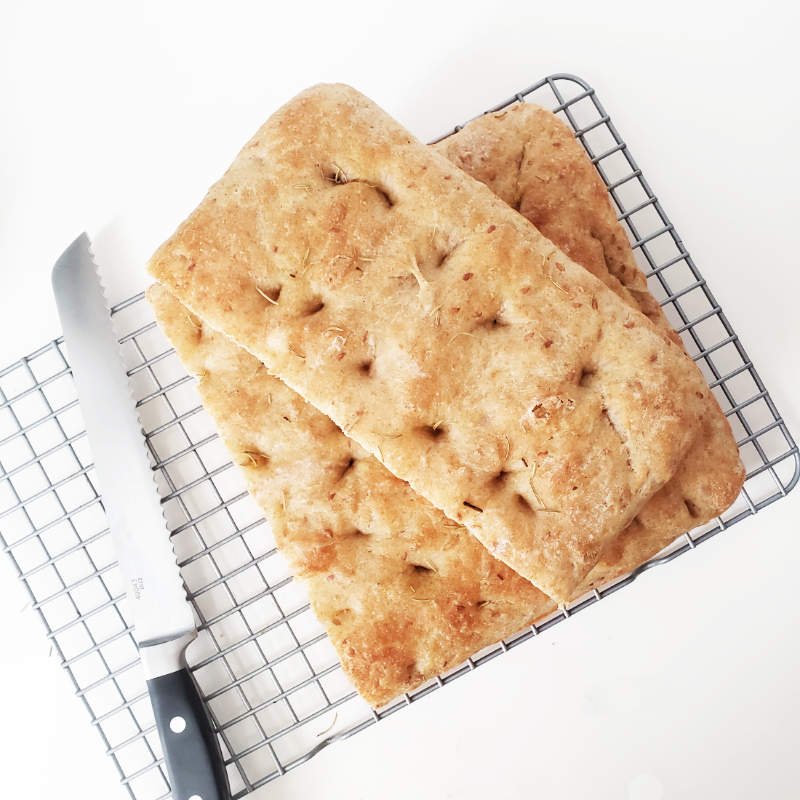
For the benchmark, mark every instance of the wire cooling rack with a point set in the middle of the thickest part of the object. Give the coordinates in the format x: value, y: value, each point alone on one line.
x: 269, y: 676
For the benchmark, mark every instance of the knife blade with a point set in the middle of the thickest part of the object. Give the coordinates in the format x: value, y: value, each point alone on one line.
x: 163, y: 622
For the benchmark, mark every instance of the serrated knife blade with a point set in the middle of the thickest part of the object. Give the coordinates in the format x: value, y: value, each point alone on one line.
x: 157, y: 601
x: 162, y: 616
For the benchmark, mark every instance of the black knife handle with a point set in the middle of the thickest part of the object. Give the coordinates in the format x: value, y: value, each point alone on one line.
x: 191, y: 750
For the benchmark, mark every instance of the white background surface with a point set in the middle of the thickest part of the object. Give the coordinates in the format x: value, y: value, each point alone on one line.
x: 683, y: 685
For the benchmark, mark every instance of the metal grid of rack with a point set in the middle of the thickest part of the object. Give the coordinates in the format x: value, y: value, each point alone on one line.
x: 268, y: 673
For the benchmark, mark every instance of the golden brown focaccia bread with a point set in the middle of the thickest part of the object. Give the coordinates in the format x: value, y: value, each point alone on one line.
x: 441, y: 331
x: 532, y: 161
x: 403, y: 592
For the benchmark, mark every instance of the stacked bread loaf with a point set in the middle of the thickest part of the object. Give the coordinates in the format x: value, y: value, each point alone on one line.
x: 442, y: 374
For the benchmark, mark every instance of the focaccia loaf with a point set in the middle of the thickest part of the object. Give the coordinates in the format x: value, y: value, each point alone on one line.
x: 403, y: 592
x: 441, y: 331
x: 532, y: 160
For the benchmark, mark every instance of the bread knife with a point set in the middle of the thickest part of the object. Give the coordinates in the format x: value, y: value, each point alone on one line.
x: 163, y: 622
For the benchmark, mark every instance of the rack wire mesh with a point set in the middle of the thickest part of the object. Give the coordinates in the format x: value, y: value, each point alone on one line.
x: 267, y: 672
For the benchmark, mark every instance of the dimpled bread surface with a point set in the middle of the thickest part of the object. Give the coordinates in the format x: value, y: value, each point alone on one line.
x: 403, y: 592
x: 531, y: 160
x: 441, y: 331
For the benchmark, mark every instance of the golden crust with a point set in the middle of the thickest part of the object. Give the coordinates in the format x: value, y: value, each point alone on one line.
x: 532, y: 161
x: 441, y: 331
x: 403, y: 592
x: 707, y: 482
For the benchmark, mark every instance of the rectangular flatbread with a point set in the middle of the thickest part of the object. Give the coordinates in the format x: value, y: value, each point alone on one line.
x: 403, y: 592
x: 441, y: 331
x: 532, y: 161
